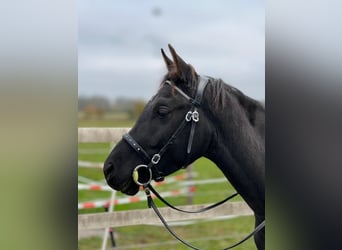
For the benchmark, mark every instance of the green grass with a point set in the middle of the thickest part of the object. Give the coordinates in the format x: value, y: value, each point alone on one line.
x: 204, y: 234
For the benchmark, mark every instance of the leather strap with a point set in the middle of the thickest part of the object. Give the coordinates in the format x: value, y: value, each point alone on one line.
x: 256, y: 230
x: 135, y: 145
x: 186, y: 211
x: 191, y: 137
x: 152, y: 205
x: 196, y: 102
x: 203, y: 81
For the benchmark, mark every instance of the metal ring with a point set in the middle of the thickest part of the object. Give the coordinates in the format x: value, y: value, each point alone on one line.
x: 155, y: 158
x: 142, y: 175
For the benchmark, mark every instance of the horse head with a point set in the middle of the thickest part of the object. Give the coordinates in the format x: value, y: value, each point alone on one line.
x: 172, y: 131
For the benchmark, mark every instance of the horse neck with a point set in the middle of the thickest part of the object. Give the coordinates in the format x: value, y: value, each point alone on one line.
x: 238, y: 150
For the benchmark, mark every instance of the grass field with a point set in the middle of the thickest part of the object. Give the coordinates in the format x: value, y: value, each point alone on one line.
x: 204, y: 234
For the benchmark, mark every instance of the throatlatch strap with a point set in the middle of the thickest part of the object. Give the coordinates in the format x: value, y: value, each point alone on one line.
x: 203, y: 81
x: 196, y: 102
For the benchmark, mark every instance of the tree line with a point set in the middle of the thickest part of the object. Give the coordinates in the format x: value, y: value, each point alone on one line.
x: 98, y: 106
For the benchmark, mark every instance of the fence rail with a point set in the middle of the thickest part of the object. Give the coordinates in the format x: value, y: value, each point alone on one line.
x: 100, y: 134
x: 147, y: 216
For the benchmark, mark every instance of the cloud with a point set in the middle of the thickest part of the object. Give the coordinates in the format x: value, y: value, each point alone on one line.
x: 123, y: 41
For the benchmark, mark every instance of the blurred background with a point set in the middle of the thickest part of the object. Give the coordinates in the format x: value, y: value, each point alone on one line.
x: 119, y: 60
x: 120, y: 68
x: 42, y: 56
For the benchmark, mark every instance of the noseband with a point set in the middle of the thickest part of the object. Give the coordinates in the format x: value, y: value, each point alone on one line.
x: 143, y: 174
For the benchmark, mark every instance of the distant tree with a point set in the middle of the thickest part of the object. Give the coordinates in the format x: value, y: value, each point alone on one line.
x: 82, y: 103
x: 133, y: 107
x: 138, y: 108
x: 91, y: 111
x: 98, y: 101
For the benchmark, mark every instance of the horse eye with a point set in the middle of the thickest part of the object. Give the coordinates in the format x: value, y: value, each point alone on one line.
x: 163, y: 110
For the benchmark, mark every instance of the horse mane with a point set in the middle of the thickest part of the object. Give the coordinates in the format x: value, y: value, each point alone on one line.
x: 220, y: 95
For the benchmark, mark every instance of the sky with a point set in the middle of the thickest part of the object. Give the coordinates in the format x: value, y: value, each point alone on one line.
x: 119, y: 44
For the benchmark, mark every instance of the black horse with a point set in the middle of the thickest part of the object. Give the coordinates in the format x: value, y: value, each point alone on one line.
x: 193, y: 116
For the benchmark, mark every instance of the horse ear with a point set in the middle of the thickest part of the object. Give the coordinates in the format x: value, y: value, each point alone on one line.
x: 168, y: 61
x: 183, y: 69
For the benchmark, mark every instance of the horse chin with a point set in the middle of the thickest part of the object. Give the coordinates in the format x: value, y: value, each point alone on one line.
x: 130, y: 188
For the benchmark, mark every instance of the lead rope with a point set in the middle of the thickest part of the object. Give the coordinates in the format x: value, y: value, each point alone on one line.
x: 151, y: 204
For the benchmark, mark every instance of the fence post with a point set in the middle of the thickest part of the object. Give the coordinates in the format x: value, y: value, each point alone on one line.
x: 109, y: 209
x: 106, y: 232
x: 111, y: 231
x: 190, y: 173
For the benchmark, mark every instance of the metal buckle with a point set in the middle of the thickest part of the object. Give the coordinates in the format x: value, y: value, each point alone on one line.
x: 155, y: 158
x: 195, y: 116
x: 188, y: 116
x: 192, y: 115
x: 142, y: 175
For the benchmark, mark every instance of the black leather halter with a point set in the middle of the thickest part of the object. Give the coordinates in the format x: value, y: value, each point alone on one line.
x: 192, y: 116
x: 142, y: 174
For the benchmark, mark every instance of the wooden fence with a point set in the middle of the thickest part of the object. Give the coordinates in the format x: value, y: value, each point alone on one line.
x: 147, y: 216
x: 100, y: 134
x: 144, y: 216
